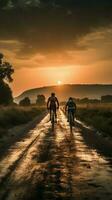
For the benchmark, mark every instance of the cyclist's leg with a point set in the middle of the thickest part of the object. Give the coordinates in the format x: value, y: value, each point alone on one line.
x: 55, y: 113
x: 50, y: 112
x: 73, y: 113
x: 68, y: 113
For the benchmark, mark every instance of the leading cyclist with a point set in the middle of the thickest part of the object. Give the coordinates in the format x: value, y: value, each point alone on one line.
x: 71, y: 107
x: 53, y: 105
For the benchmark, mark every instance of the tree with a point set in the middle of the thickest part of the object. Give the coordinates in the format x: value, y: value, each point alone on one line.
x: 6, y: 71
x: 3, y: 3
x: 25, y: 102
x: 5, y: 94
x: 84, y: 100
x: 40, y: 100
x: 106, y: 99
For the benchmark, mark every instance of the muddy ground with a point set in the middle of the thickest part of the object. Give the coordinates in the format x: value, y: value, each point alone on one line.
x: 46, y: 164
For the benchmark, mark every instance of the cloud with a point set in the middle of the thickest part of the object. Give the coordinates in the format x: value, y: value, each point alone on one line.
x: 11, y: 45
x: 93, y: 47
x: 67, y: 33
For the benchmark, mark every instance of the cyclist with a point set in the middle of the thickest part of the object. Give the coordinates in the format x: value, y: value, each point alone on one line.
x: 53, y: 104
x: 70, y: 107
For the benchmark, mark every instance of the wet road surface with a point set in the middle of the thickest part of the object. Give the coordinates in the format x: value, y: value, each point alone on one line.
x: 55, y: 165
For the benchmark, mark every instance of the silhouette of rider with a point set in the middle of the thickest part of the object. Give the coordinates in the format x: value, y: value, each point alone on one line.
x: 53, y: 104
x: 71, y: 107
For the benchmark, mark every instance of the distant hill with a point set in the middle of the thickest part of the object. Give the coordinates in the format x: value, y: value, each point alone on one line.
x: 65, y: 91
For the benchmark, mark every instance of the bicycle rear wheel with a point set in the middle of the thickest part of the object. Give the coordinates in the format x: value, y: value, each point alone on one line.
x: 71, y: 121
x: 52, y: 119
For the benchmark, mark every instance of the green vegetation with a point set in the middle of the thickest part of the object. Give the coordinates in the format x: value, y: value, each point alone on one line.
x: 17, y: 115
x: 40, y: 100
x: 25, y: 102
x: 99, y: 116
x: 6, y: 71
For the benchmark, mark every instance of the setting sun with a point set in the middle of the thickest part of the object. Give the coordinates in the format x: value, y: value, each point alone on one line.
x: 59, y: 82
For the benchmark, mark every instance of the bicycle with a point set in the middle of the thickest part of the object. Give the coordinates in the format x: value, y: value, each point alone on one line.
x: 53, y: 119
x: 52, y: 116
x: 71, y: 119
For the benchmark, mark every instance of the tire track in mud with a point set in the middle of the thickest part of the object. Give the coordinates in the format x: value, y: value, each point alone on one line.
x: 12, y: 166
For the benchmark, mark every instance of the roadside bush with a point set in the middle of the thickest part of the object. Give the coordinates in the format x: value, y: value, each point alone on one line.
x: 2, y: 132
x: 25, y: 102
x: 101, y: 119
x: 12, y: 116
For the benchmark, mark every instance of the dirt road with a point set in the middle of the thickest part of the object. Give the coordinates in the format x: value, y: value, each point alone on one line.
x: 55, y: 165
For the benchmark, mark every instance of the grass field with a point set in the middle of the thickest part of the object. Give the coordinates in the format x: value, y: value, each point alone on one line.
x: 17, y: 115
x: 104, y: 106
x: 97, y: 115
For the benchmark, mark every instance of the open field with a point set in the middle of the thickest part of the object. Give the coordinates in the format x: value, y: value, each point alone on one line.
x: 106, y: 106
x: 97, y: 115
x: 17, y: 115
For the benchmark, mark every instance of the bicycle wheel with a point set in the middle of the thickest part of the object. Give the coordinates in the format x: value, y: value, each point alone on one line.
x: 71, y: 121
x: 52, y: 119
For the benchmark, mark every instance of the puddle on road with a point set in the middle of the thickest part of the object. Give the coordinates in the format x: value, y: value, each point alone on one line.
x: 83, y: 124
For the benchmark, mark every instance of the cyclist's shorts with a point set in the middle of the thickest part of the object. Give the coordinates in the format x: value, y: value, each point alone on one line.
x: 53, y: 107
x: 71, y: 110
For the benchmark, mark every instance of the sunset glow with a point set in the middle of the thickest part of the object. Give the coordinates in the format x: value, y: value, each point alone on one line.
x: 54, y: 47
x: 59, y: 82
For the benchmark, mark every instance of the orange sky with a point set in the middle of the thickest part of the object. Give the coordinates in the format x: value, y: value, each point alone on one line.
x: 89, y: 65
x: 57, y: 46
x: 27, y: 78
x: 38, y: 77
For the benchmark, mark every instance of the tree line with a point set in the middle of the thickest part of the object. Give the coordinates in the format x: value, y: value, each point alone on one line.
x: 103, y: 99
x: 39, y: 101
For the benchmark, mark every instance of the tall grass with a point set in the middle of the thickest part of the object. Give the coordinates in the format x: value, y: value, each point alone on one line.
x: 16, y: 115
x: 99, y: 116
x: 104, y: 106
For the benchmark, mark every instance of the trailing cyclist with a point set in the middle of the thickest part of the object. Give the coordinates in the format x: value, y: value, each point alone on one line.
x: 71, y: 107
x: 53, y: 105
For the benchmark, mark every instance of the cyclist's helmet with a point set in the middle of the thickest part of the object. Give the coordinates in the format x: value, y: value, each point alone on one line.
x: 70, y: 99
x: 53, y: 94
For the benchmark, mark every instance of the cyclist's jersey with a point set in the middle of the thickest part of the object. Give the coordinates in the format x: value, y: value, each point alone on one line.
x: 53, y: 101
x: 71, y: 105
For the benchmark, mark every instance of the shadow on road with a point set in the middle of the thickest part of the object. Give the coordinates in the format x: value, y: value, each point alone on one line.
x: 57, y: 168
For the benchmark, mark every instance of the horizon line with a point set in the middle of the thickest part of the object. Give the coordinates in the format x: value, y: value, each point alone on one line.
x: 80, y: 84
